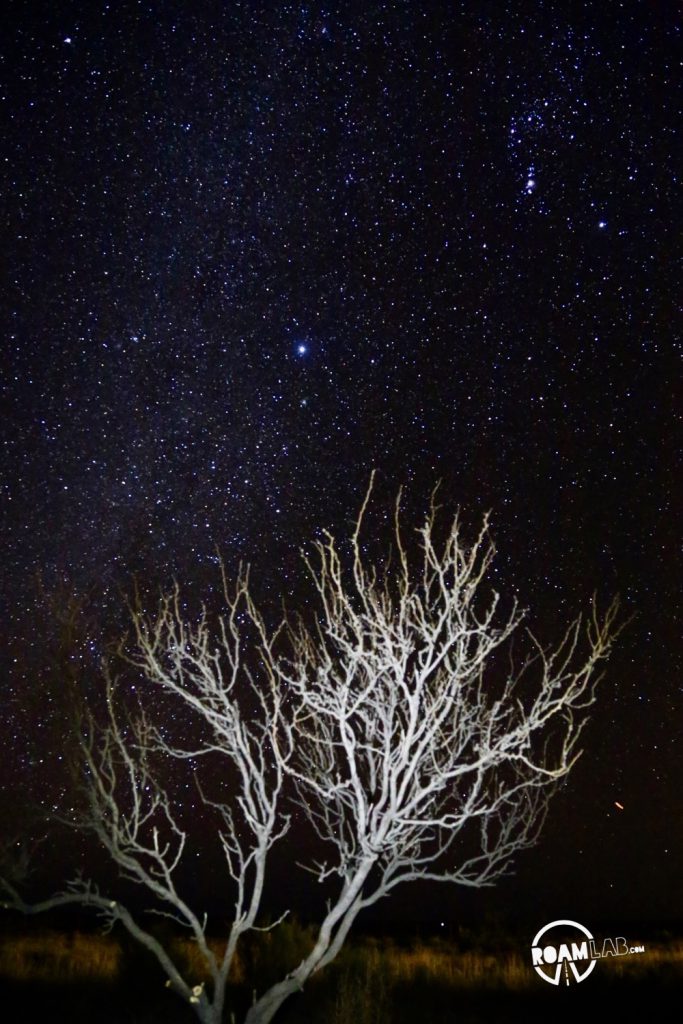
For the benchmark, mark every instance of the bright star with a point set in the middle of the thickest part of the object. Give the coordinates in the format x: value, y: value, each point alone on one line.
x: 602, y: 223
x: 301, y: 349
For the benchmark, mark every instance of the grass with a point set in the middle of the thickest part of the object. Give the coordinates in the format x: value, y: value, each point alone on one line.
x: 74, y: 976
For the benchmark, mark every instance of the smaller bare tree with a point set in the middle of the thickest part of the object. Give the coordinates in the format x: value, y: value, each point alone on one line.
x: 413, y: 748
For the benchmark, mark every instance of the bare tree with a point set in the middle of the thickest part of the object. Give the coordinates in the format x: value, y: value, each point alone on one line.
x: 415, y: 750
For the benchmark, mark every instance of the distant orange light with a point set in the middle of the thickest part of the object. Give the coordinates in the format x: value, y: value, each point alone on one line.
x: 617, y: 804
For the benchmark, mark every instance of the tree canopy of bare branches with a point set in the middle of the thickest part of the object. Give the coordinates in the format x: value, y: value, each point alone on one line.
x: 392, y: 720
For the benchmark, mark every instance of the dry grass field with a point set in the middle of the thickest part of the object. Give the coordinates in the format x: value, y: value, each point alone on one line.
x: 77, y: 976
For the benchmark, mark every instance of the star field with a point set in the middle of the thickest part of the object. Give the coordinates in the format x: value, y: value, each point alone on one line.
x: 254, y: 250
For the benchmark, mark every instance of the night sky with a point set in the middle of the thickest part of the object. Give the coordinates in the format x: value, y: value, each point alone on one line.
x: 252, y: 251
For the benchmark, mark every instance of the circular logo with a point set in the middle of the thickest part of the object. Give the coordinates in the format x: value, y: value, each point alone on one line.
x: 563, y: 950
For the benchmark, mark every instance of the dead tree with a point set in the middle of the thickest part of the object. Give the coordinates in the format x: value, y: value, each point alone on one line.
x: 412, y: 747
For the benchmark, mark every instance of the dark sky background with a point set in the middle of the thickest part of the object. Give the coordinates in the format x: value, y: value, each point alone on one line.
x: 251, y: 251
